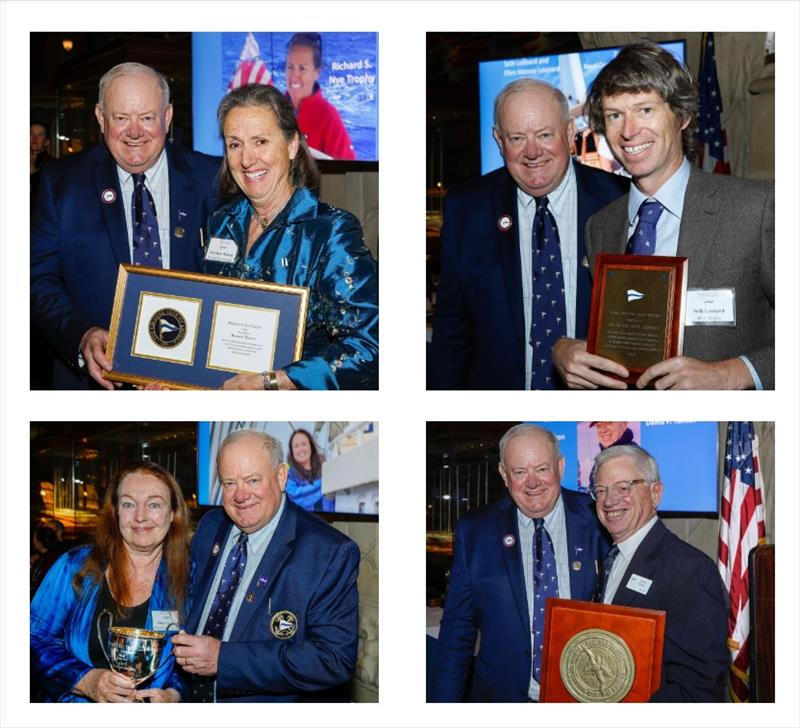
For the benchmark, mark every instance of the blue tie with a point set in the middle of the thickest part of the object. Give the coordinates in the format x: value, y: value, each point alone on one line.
x: 146, y: 242
x: 231, y: 575
x: 608, y: 563
x: 545, y: 584
x: 548, y: 310
x: 202, y: 687
x: 643, y: 240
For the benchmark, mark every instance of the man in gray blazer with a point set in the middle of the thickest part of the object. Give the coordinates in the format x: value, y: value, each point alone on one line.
x: 645, y: 103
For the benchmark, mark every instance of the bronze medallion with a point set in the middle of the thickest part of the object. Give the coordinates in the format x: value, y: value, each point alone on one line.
x: 597, y: 667
x: 167, y: 327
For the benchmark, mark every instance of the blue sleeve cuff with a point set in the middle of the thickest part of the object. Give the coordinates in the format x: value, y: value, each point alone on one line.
x: 756, y: 378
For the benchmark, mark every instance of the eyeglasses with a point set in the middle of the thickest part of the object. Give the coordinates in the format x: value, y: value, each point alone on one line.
x: 621, y: 488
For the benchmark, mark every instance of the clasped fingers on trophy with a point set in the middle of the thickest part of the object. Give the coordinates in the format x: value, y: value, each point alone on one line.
x: 195, y: 653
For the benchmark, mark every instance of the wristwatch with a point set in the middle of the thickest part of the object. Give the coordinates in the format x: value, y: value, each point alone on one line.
x: 270, y: 380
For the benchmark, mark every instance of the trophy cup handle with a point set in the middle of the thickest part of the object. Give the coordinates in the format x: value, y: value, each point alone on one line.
x: 100, y: 636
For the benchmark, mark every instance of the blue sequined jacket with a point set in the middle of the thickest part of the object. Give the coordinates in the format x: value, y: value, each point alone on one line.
x: 312, y: 244
x: 61, y: 623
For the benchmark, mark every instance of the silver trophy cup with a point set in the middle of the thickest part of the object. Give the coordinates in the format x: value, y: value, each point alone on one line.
x: 132, y: 652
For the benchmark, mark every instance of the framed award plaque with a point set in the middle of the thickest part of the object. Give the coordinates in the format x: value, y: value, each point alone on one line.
x: 192, y: 331
x: 600, y: 653
x: 636, y: 316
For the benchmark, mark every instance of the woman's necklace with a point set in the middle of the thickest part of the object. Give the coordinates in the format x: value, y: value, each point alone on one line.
x: 265, y: 220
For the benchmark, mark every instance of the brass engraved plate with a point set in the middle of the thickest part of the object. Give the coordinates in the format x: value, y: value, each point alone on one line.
x: 597, y: 667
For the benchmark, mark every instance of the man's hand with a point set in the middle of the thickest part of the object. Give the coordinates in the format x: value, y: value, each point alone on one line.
x: 93, y: 349
x: 683, y: 372
x: 256, y: 381
x: 196, y: 654
x: 581, y: 370
x: 157, y: 695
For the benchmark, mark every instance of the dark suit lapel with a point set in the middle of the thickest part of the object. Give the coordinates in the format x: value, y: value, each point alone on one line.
x: 183, y: 211
x: 644, y: 563
x: 512, y: 557
x: 206, y: 574
x: 504, y: 204
x: 106, y: 181
x: 698, y: 223
x: 256, y: 603
x: 578, y: 551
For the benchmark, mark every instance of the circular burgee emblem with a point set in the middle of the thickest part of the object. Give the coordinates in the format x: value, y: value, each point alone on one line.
x: 504, y: 223
x: 597, y: 667
x: 167, y: 327
x: 283, y: 624
x: 108, y: 196
x: 509, y: 540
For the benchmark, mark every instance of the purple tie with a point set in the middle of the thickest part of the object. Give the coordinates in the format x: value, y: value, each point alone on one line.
x: 548, y: 310
x: 146, y: 243
x: 643, y: 240
x: 545, y: 584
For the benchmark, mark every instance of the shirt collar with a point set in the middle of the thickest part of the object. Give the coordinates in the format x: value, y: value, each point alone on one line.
x: 150, y: 174
x: 549, y: 520
x: 556, y: 197
x: 628, y: 547
x: 670, y: 194
x: 257, y: 539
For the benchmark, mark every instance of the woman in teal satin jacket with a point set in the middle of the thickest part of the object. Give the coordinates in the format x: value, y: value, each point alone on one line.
x: 273, y: 227
x: 138, y: 570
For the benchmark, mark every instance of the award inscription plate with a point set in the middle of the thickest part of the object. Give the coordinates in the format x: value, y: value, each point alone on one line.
x: 636, y: 317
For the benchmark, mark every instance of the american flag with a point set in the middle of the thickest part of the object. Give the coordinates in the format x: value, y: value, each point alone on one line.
x: 741, y: 528
x: 713, y: 139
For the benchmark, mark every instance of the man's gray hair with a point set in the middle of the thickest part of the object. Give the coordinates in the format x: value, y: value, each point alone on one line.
x: 645, y: 463
x: 132, y: 69
x: 529, y: 84
x: 521, y: 430
x: 269, y: 443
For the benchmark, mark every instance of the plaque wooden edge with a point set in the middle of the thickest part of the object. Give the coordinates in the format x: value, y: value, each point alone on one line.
x: 126, y: 270
x: 550, y: 663
x: 677, y: 266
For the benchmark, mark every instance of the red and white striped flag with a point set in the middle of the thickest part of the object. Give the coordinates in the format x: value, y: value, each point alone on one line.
x: 250, y: 69
x: 741, y: 529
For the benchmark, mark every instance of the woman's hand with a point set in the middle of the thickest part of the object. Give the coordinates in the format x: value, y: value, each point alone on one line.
x: 157, y: 695
x: 256, y: 381
x: 104, y: 686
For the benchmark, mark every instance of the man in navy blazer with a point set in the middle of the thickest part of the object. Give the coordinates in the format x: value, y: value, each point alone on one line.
x: 651, y: 568
x: 483, y: 309
x: 81, y: 229
x: 491, y: 578
x: 291, y: 631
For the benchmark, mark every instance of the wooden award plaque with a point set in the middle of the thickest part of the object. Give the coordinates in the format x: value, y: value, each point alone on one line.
x: 636, y: 316
x: 600, y: 653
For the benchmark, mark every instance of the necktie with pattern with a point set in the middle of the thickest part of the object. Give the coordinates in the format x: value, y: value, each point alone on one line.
x: 545, y: 584
x: 146, y: 240
x: 549, y: 309
x: 203, y: 687
x: 643, y: 240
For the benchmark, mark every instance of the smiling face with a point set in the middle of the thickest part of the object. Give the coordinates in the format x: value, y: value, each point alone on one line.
x: 300, y: 73
x: 609, y: 432
x: 144, y: 512
x: 258, y: 155
x: 623, y: 517
x: 133, y: 122
x: 534, y: 140
x: 532, y: 474
x: 251, y: 486
x: 645, y: 137
x: 301, y: 449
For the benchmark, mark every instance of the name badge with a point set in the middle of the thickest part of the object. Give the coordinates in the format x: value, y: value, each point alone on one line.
x: 221, y: 250
x: 710, y: 307
x: 639, y: 584
x: 164, y: 619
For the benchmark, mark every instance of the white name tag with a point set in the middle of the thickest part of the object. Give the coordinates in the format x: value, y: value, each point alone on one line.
x: 639, y: 584
x: 164, y: 619
x: 710, y: 307
x: 222, y: 250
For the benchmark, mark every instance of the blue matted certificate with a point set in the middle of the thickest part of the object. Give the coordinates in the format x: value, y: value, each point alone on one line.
x: 193, y: 331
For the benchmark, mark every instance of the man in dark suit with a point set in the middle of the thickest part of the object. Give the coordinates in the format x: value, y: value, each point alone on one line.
x: 274, y: 614
x: 651, y: 568
x: 497, y: 561
x: 645, y: 103
x: 488, y: 303
x: 82, y: 229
